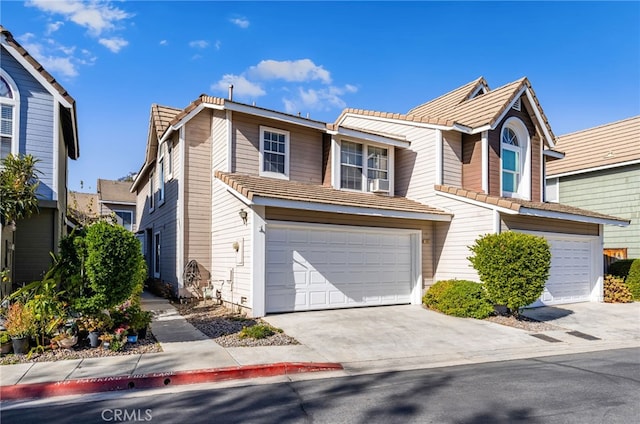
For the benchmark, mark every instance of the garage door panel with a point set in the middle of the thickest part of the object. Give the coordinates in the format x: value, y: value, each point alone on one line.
x: 336, y: 268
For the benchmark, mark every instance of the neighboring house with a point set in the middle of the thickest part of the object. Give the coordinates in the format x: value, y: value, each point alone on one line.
x: 601, y: 172
x: 38, y: 118
x: 114, y: 199
x: 284, y: 213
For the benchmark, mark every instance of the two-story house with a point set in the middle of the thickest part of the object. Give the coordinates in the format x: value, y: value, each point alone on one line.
x: 38, y: 118
x: 601, y: 172
x: 112, y: 200
x: 283, y: 213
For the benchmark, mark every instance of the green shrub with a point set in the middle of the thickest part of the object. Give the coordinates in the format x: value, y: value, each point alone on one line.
x: 620, y: 268
x: 258, y: 331
x: 633, y: 279
x: 460, y: 298
x: 513, y: 267
x: 114, y: 265
x: 615, y: 290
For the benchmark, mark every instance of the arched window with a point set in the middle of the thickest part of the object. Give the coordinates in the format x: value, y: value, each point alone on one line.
x: 516, y: 169
x: 8, y: 116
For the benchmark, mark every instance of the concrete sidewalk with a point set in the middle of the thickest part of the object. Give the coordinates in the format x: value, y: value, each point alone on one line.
x: 345, y: 342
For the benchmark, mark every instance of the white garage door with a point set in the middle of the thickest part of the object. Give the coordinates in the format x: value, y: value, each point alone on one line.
x: 326, y: 267
x: 572, y: 277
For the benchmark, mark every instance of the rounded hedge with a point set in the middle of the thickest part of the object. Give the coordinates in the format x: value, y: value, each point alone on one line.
x: 633, y: 279
x: 114, y: 266
x: 514, y: 267
x: 460, y: 298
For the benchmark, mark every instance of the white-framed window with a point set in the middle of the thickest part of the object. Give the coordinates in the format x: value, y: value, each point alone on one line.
x: 9, y: 115
x: 359, y: 174
x: 274, y: 152
x: 124, y: 218
x: 161, y: 177
x: 152, y: 193
x: 156, y: 255
x: 515, y: 166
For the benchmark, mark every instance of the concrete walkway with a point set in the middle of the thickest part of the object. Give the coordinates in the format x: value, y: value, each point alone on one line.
x: 362, y: 340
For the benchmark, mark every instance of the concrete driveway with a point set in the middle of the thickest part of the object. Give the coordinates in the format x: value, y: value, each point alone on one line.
x: 409, y: 336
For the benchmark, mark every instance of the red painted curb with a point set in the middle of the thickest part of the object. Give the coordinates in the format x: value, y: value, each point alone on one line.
x: 162, y: 379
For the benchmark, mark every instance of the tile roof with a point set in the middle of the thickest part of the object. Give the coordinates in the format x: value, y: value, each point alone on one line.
x: 454, y: 108
x: 252, y: 187
x: 74, y: 149
x: 162, y: 117
x: 115, y: 191
x: 442, y: 105
x: 605, y: 145
x: 517, y: 204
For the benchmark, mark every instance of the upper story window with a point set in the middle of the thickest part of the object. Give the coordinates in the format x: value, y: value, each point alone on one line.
x: 161, y: 171
x: 152, y: 193
x: 515, y: 163
x: 356, y: 173
x: 274, y: 153
x: 169, y: 160
x: 125, y: 218
x: 8, y: 121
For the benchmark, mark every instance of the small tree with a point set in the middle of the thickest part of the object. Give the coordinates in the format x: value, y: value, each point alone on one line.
x: 513, y: 266
x: 115, y: 268
x: 18, y: 185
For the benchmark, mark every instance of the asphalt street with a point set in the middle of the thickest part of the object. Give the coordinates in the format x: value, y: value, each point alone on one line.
x: 596, y: 387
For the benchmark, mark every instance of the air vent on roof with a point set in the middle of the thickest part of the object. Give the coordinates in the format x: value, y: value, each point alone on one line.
x: 517, y: 105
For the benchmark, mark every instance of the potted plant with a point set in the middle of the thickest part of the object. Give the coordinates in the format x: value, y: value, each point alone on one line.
x: 5, y: 342
x: 67, y: 339
x: 139, y: 321
x: 94, y: 325
x: 20, y: 324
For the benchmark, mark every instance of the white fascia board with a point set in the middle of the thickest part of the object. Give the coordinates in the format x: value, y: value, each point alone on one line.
x: 35, y: 74
x: 138, y: 179
x: 351, y: 210
x: 571, y: 217
x: 477, y: 203
x: 597, y: 168
x: 112, y: 202
x: 553, y: 154
x: 550, y: 140
x: 401, y: 121
x: 272, y: 114
x: 56, y: 141
x: 348, y: 132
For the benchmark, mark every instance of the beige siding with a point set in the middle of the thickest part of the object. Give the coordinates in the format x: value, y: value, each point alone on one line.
x: 197, y: 210
x: 452, y: 239
x: 293, y: 215
x: 472, y: 162
x: 220, y: 138
x: 305, y: 162
x: 530, y: 223
x: 452, y: 158
x: 230, y: 270
x: 415, y: 167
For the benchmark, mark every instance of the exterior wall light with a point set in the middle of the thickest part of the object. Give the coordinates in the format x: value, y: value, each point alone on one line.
x: 243, y: 215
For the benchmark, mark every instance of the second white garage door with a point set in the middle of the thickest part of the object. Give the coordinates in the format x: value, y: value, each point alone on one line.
x: 572, y: 277
x: 325, y: 267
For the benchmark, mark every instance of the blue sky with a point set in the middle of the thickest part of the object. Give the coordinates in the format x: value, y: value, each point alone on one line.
x: 117, y: 58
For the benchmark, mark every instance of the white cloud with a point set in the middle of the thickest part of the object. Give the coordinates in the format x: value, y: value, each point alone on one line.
x: 163, y: 42
x: 114, y: 44
x: 218, y: 44
x: 290, y: 70
x: 198, y: 44
x: 97, y: 15
x: 322, y: 99
x: 48, y: 55
x: 241, y: 22
x: 59, y: 65
x: 53, y: 27
x: 241, y: 86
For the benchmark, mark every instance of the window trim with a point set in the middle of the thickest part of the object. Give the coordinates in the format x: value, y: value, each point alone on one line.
x: 287, y: 153
x: 161, y: 181
x: 152, y: 194
x: 170, y: 160
x: 523, y: 191
x: 365, y: 164
x: 15, y: 104
x: 157, y: 249
x: 116, y: 211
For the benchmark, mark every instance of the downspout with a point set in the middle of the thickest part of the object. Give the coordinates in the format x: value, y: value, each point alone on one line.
x: 439, y: 157
x: 181, y: 210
